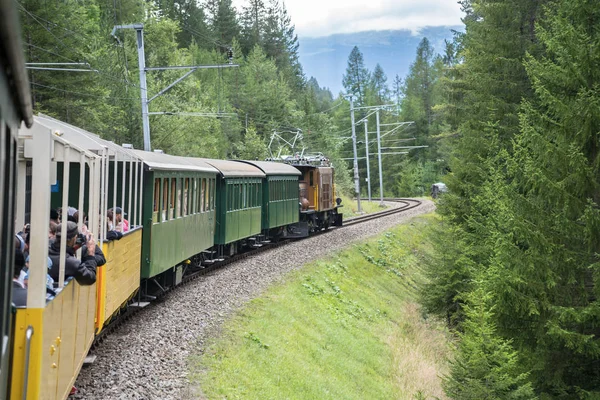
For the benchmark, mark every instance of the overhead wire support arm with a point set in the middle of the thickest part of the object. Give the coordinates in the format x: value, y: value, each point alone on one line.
x: 139, y: 29
x: 194, y: 67
x: 194, y: 114
x: 61, y: 69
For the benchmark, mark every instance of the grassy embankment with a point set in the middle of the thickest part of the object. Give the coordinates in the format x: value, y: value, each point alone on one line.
x: 346, y: 327
x: 350, y: 208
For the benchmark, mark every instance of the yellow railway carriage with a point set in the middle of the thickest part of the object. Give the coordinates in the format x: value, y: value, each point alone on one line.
x: 53, y: 336
x: 120, y: 185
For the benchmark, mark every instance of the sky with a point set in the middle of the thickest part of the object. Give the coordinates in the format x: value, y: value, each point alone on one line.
x: 316, y: 18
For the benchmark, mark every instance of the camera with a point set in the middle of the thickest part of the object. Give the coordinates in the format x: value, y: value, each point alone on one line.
x: 81, y: 239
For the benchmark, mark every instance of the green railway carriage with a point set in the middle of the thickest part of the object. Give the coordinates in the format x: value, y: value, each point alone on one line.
x: 178, y: 211
x: 239, y: 199
x: 280, y: 194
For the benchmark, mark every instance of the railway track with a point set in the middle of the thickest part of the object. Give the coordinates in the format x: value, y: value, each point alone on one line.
x: 193, y: 272
x: 407, y: 204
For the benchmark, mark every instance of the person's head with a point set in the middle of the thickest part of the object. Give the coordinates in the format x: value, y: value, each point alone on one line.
x: 109, y: 219
x: 71, y: 235
x: 54, y: 217
x: 52, y: 230
x: 19, y: 263
x: 119, y: 214
x: 72, y: 214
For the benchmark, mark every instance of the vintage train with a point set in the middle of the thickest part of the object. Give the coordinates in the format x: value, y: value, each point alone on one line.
x: 184, y: 214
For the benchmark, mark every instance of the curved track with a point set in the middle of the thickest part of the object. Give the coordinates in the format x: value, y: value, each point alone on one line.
x: 148, y: 356
x: 194, y: 272
x: 407, y: 204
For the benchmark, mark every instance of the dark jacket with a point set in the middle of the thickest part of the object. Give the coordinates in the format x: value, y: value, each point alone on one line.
x: 98, y: 256
x: 19, y: 295
x: 84, y: 270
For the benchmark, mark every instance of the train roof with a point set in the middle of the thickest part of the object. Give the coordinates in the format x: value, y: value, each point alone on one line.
x: 84, y: 139
x: 273, y: 168
x: 235, y: 169
x: 11, y: 59
x: 167, y: 162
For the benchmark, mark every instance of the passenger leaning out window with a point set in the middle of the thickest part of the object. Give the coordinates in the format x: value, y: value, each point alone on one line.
x: 84, y: 270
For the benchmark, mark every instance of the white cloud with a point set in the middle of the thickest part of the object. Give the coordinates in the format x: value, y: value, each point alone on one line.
x: 315, y: 18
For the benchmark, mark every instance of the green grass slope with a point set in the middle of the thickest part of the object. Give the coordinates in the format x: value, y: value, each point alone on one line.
x: 346, y: 327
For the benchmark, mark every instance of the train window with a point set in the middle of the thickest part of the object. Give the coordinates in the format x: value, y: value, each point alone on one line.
x: 186, y: 200
x: 179, y: 199
x: 193, y: 195
x: 214, y: 191
x: 156, y: 200
x: 310, y: 178
x: 234, y: 195
x: 244, y: 195
x: 199, y: 196
x: 202, y: 191
x: 172, y: 199
x: 259, y: 193
x: 228, y: 198
x: 165, y: 201
x: 206, y: 195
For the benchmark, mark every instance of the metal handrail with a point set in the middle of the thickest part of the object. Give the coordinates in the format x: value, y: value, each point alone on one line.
x: 28, y: 336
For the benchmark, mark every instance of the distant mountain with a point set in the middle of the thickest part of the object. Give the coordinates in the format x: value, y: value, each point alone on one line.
x: 325, y: 58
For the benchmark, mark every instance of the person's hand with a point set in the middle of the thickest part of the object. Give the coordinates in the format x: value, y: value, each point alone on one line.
x: 91, y: 244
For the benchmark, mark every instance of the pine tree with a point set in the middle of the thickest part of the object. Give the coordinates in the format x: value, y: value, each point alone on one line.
x: 397, y: 89
x: 253, y: 25
x: 419, y: 92
x: 357, y: 76
x: 223, y: 22
x: 379, y: 83
x: 485, y: 366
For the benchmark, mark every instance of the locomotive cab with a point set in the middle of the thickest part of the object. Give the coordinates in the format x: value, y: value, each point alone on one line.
x: 316, y: 196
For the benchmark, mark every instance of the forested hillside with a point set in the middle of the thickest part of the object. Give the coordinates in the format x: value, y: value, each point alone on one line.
x: 517, y: 272
x: 240, y: 107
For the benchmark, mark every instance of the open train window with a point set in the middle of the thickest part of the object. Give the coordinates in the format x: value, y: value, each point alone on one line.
x: 205, y: 196
x: 156, y: 200
x: 213, y: 192
x: 165, y: 201
x: 310, y: 178
x: 202, y: 194
x: 194, y: 188
x: 185, y: 203
x: 172, y: 198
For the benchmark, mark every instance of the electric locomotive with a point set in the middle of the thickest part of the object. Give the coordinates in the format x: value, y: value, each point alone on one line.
x: 319, y: 208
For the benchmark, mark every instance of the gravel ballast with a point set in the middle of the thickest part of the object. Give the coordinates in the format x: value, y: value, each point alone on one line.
x: 146, y: 357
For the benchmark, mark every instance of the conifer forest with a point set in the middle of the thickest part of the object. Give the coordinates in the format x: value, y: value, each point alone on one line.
x: 509, y: 111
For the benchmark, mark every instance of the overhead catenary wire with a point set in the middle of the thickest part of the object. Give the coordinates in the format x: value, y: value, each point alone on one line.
x: 37, y: 19
x: 84, y: 94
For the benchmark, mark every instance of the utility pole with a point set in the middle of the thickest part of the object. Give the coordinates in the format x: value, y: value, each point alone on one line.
x: 379, y: 158
x: 356, y: 178
x: 367, y: 159
x: 139, y: 32
x: 139, y: 29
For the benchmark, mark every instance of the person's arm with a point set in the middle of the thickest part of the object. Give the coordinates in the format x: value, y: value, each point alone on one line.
x: 86, y: 271
x: 99, y: 257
